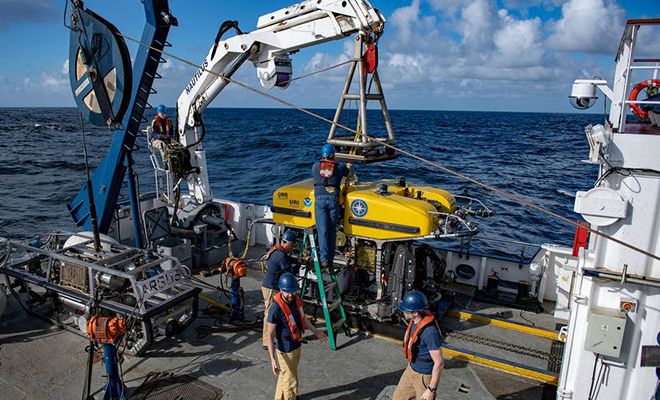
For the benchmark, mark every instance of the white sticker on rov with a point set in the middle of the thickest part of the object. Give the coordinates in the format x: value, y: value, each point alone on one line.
x: 159, y: 283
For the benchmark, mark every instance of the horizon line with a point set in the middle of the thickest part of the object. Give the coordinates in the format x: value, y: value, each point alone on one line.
x: 333, y: 109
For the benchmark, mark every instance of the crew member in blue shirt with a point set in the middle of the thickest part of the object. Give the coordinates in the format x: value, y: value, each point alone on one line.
x: 162, y: 131
x: 286, y: 327
x: 278, y: 261
x: 422, y: 348
x: 327, y: 175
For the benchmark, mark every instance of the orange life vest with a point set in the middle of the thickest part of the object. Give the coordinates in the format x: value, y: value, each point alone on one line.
x: 168, y: 125
x: 327, y: 168
x: 296, y: 331
x: 407, y: 350
x: 272, y: 250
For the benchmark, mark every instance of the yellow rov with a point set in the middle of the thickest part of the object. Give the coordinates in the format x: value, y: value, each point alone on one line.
x: 380, y: 249
x: 390, y: 209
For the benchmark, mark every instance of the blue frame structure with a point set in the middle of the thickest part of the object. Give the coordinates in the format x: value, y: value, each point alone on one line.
x: 108, y: 177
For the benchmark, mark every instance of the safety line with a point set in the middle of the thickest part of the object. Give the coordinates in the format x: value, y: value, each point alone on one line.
x: 505, y: 324
x: 409, y: 154
x: 503, y: 365
x: 477, y: 358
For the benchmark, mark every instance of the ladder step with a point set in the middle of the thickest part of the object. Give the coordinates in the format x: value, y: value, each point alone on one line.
x: 334, y: 305
x: 338, y: 324
x: 370, y: 96
x: 328, y: 287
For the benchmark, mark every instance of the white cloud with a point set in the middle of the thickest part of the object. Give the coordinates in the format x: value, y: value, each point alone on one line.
x: 50, y: 81
x: 499, y: 54
x: 477, y: 24
x: 449, y: 7
x: 592, y: 26
x: 518, y: 42
x: 524, y: 5
x: 54, y: 82
x: 404, y: 20
x: 487, y: 44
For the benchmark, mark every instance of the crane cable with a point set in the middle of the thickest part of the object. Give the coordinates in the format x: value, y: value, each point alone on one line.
x: 409, y: 154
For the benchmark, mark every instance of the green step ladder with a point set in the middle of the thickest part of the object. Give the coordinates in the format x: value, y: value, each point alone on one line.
x: 325, y: 288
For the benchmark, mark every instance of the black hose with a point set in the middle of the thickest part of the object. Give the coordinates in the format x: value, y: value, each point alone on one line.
x: 201, y: 123
x: 224, y: 27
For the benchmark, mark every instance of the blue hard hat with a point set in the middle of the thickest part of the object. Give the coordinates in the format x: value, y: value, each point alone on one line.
x: 414, y: 301
x: 289, y: 236
x: 161, y: 109
x: 328, y: 151
x: 287, y: 283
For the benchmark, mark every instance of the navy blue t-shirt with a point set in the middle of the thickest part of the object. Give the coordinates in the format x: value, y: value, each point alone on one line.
x: 283, y: 339
x: 428, y: 339
x: 320, y: 182
x: 277, y: 264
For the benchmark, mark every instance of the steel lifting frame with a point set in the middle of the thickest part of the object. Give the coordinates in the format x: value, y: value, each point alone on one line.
x: 109, y: 175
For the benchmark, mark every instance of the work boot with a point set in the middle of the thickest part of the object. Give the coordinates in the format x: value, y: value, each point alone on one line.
x: 325, y: 265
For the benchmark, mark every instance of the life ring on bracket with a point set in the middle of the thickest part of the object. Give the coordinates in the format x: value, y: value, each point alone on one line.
x: 635, y: 92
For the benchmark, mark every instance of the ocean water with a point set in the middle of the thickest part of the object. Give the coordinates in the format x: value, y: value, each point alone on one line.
x: 251, y: 152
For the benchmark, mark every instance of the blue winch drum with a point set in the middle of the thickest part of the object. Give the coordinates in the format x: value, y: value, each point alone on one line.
x: 100, y: 69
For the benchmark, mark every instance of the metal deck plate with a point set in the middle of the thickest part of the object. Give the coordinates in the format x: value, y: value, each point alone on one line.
x: 167, y: 386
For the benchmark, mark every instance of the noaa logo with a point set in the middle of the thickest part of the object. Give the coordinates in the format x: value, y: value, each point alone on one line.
x: 359, y: 208
x: 307, y: 202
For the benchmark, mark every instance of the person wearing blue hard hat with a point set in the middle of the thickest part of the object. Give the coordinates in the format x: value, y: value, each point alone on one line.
x: 422, y: 347
x: 327, y: 175
x: 277, y: 262
x: 162, y: 131
x: 286, y: 327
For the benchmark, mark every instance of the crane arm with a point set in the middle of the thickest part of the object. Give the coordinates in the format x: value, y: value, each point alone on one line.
x: 278, y: 34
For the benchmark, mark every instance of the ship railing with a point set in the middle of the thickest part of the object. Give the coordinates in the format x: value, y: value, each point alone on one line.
x: 465, y: 247
x: 164, y: 179
x: 626, y: 64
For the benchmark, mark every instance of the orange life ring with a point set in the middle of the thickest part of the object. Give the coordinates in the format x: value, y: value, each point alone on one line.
x: 633, y: 96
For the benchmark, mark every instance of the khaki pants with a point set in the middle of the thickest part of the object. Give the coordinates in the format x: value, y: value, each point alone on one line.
x: 268, y: 300
x: 287, y: 382
x: 412, y: 385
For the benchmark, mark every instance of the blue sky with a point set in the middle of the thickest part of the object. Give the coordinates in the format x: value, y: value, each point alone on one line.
x: 501, y: 55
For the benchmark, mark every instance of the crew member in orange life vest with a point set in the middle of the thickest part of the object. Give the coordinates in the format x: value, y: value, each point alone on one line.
x: 162, y: 131
x: 286, y: 327
x: 422, y: 348
x: 327, y: 175
x: 278, y: 262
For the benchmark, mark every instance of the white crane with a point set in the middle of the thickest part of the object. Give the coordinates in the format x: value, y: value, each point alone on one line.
x: 279, y: 34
